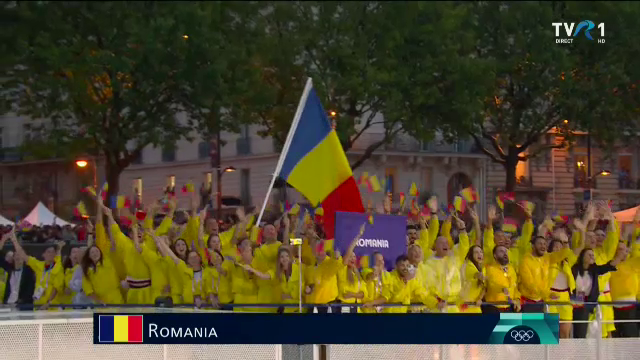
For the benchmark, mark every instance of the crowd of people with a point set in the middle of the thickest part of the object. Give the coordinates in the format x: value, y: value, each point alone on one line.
x: 454, y: 265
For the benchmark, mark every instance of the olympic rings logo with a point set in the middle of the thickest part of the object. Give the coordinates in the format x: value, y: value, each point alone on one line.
x: 521, y: 335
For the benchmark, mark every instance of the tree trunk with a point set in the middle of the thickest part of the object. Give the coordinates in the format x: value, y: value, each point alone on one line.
x: 113, y: 172
x: 510, y: 168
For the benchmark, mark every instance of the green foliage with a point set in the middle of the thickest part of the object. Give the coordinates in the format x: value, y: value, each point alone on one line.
x: 404, y: 60
x: 538, y: 84
x: 111, y: 77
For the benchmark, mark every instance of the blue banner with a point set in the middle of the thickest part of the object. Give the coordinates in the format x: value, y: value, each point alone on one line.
x: 247, y: 328
x: 387, y: 235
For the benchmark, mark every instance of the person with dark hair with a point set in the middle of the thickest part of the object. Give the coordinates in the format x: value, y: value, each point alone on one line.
x: 403, y: 289
x: 518, y: 249
x: 561, y: 281
x: 534, y: 274
x: 586, y: 274
x: 21, y: 279
x: 49, y: 273
x: 217, y: 280
x: 473, y: 280
x: 502, y: 283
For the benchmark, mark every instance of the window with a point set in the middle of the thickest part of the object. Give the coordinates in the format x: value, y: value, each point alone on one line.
x: 137, y: 160
x: 204, y: 148
x: 137, y: 189
x: 169, y: 153
x: 625, y: 171
x: 171, y: 183
x: 244, y: 131
x: 580, y: 178
x: 390, y: 177
x: 427, y: 178
x: 208, y: 180
x: 245, y: 191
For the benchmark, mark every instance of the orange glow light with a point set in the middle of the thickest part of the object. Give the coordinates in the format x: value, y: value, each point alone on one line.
x: 81, y: 163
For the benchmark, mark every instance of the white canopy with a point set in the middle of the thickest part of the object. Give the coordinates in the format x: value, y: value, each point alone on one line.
x: 40, y: 215
x: 5, y: 221
x: 626, y: 215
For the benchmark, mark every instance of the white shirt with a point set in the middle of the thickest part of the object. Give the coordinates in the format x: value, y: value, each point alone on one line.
x: 583, y: 284
x: 14, y: 283
x: 561, y: 282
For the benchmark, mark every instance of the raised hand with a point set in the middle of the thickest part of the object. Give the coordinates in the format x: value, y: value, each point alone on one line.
x: 491, y: 213
x: 433, y: 204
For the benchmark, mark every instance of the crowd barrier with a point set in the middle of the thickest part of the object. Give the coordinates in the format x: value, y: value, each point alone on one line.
x: 64, y: 335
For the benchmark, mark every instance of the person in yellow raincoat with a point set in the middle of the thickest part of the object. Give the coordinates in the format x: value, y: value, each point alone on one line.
x: 473, y: 280
x: 287, y: 278
x: 138, y: 281
x: 49, y: 272
x: 624, y: 287
x: 375, y: 279
x: 217, y: 281
x: 351, y: 287
x: 561, y: 282
x: 244, y: 276
x: 443, y: 269
x: 403, y: 289
x: 502, y: 283
x: 190, y: 272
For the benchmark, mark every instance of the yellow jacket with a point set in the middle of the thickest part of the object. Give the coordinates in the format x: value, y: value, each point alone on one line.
x: 399, y: 291
x: 624, y: 281
x: 516, y: 253
x: 534, y: 273
x: 499, y: 279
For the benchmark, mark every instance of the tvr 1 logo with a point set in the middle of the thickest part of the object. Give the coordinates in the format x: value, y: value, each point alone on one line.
x: 585, y: 26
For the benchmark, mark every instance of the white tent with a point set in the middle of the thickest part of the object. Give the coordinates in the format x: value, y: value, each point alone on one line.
x: 5, y: 221
x: 40, y: 215
x: 626, y: 215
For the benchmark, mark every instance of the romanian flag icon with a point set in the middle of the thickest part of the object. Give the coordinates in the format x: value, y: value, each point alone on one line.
x: 510, y: 225
x: 120, y: 329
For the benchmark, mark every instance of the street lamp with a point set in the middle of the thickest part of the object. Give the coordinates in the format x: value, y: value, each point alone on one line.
x: 221, y: 172
x: 82, y: 163
x: 333, y: 115
x: 590, y: 180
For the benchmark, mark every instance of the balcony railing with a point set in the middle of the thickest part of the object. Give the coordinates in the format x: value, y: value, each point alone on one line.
x: 628, y: 183
x: 243, y: 146
x: 580, y: 181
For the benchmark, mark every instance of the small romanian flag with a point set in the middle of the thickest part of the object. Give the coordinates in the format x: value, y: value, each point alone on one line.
x: 510, y: 225
x: 80, y: 210
x: 120, y: 202
x: 188, y: 188
x: 469, y: 195
x: 459, y: 204
x: 504, y: 197
x: 371, y: 219
x: 90, y: 190
x: 413, y: 190
x: 528, y: 206
x: 402, y: 199
x: 120, y: 329
x: 294, y: 210
x: 363, y: 178
x: 374, y: 184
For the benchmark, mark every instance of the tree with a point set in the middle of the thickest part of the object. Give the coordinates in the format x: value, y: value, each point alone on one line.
x: 366, y: 59
x: 539, y: 84
x: 108, y: 78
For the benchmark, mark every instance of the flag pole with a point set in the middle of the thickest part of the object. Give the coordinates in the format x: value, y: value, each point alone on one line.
x: 287, y: 144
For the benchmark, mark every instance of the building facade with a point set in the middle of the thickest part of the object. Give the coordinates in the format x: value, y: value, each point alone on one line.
x: 555, y: 180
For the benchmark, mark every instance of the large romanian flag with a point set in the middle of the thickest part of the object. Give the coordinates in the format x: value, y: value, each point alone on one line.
x: 315, y: 163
